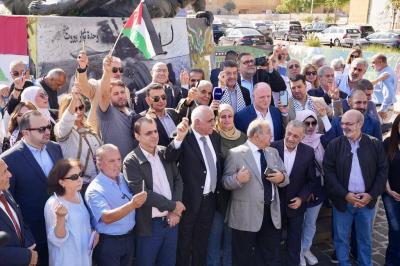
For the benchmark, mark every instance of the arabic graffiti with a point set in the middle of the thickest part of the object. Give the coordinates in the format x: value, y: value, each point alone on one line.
x: 83, y: 35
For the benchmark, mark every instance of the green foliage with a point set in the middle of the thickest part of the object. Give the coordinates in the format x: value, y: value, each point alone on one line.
x: 395, y: 4
x: 309, y: 19
x: 334, y: 4
x: 230, y: 6
x: 312, y: 41
x: 376, y: 48
x: 329, y: 19
x: 291, y: 6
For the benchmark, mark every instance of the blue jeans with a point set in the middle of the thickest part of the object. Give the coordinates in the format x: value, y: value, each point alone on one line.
x: 220, y: 232
x: 309, y: 227
x: 342, y: 221
x: 160, y: 247
x: 392, y: 208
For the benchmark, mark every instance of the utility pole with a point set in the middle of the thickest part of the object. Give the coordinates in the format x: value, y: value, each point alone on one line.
x: 312, y: 7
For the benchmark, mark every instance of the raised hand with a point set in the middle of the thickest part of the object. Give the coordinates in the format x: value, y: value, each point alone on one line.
x: 182, y: 129
x: 83, y: 60
x: 61, y: 211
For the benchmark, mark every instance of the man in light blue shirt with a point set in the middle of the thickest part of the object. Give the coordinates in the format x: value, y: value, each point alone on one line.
x: 385, y: 89
x: 113, y: 209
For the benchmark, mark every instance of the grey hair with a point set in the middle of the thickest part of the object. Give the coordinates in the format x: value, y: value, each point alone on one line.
x: 205, y: 83
x: 296, y: 123
x: 104, y: 149
x: 198, y: 112
x: 337, y: 63
x: 256, y: 127
x: 16, y: 63
x: 321, y: 71
x: 360, y: 61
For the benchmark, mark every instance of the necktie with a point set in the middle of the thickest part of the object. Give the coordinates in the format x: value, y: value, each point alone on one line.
x: 10, y: 214
x: 267, y: 184
x: 211, y: 164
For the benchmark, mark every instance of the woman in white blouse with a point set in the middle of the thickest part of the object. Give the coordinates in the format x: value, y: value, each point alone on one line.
x: 67, y: 218
x: 77, y: 138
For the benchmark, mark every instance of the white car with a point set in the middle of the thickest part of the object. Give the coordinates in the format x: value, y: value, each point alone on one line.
x: 339, y: 36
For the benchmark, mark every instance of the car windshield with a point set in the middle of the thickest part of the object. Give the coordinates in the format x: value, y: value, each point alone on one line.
x: 295, y: 27
x: 247, y: 31
x: 352, y: 31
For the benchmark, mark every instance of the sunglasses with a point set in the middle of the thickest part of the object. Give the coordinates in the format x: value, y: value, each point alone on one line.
x: 41, y: 130
x: 74, y: 176
x: 355, y: 56
x: 293, y: 66
x: 309, y: 73
x: 80, y: 108
x: 158, y: 98
x: 309, y: 124
x: 116, y: 69
x: 194, y: 80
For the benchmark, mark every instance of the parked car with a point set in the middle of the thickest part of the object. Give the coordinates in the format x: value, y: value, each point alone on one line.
x: 262, y: 27
x: 316, y: 27
x: 339, y: 36
x: 365, y: 30
x: 218, y: 31
x: 288, y: 32
x: 385, y: 38
x: 242, y: 36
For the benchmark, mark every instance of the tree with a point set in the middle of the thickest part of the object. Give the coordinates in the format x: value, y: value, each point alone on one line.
x: 230, y: 6
x: 395, y: 4
x: 335, y: 5
x: 291, y: 6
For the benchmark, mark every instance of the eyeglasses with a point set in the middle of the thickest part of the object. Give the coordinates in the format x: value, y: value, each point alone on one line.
x: 348, y: 124
x: 157, y: 98
x: 74, y: 176
x: 116, y: 69
x: 308, y: 73
x: 248, y: 62
x: 355, y: 56
x: 294, y: 66
x: 43, y: 95
x: 41, y: 130
x: 194, y: 80
x: 80, y: 108
x: 310, y: 124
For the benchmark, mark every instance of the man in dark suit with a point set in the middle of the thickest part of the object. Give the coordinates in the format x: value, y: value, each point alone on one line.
x: 234, y: 94
x: 157, y: 219
x: 30, y: 162
x: 159, y: 75
x: 299, y: 163
x: 261, y: 109
x: 19, y: 249
x: 165, y: 118
x: 199, y: 158
x: 356, y: 170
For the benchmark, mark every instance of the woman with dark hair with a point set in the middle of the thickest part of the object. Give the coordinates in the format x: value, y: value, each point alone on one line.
x: 15, y: 118
x: 67, y: 218
x: 391, y: 197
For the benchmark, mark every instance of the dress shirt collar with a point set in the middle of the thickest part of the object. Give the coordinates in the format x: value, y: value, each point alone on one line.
x: 261, y: 114
x: 285, y: 149
x: 148, y: 155
x: 245, y: 80
x: 103, y: 178
x: 34, y: 149
x: 197, y: 135
x: 252, y: 146
x: 354, y: 144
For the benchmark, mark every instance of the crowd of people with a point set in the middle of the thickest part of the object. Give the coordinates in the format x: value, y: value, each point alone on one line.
x: 179, y: 176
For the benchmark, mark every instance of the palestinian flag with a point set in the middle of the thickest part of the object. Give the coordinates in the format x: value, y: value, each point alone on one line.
x: 140, y: 31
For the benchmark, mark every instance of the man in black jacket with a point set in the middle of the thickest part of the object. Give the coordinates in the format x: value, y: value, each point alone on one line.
x: 356, y: 170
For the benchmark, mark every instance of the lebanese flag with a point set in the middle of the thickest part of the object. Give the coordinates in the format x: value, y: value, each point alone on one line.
x: 140, y: 31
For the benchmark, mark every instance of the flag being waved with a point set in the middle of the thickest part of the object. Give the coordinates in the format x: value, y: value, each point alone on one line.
x: 140, y: 31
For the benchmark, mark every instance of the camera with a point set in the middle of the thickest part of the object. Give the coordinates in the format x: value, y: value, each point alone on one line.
x: 261, y: 61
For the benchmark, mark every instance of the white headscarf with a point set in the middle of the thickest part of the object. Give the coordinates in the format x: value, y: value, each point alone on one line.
x: 29, y: 95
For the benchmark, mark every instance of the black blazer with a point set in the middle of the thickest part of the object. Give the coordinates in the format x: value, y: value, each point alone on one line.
x: 302, y: 178
x: 13, y: 253
x: 137, y: 168
x: 172, y: 98
x: 193, y: 170
x: 246, y: 95
x: 274, y: 79
x: 164, y: 139
x: 28, y: 184
x: 337, y: 166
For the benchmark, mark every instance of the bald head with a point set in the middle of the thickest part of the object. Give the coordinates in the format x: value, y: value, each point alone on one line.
x: 352, y: 122
x: 56, y: 79
x: 106, y: 148
x: 293, y: 68
x: 262, y: 97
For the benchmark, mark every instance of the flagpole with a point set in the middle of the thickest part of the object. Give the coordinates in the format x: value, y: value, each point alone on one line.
x: 115, y: 44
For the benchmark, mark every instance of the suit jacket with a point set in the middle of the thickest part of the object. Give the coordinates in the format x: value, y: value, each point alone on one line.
x: 246, y: 207
x: 164, y: 139
x: 13, y: 253
x: 28, y: 184
x: 246, y: 95
x: 174, y: 94
x: 302, y: 178
x: 193, y: 170
x: 137, y: 168
x: 337, y: 166
x: 244, y: 118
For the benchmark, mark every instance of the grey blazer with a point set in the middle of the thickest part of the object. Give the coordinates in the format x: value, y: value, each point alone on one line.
x: 137, y: 168
x: 246, y: 207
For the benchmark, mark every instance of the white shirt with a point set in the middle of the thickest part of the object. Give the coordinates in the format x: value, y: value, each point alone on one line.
x: 160, y: 181
x: 12, y: 211
x: 256, y: 155
x: 207, y: 184
x: 288, y: 158
x: 268, y: 118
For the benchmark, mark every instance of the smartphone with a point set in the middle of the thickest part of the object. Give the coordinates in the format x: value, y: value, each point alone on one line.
x: 284, y: 98
x: 269, y: 171
x: 217, y: 93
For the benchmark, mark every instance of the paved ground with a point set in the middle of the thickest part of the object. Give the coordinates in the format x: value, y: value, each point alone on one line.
x: 380, y: 241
